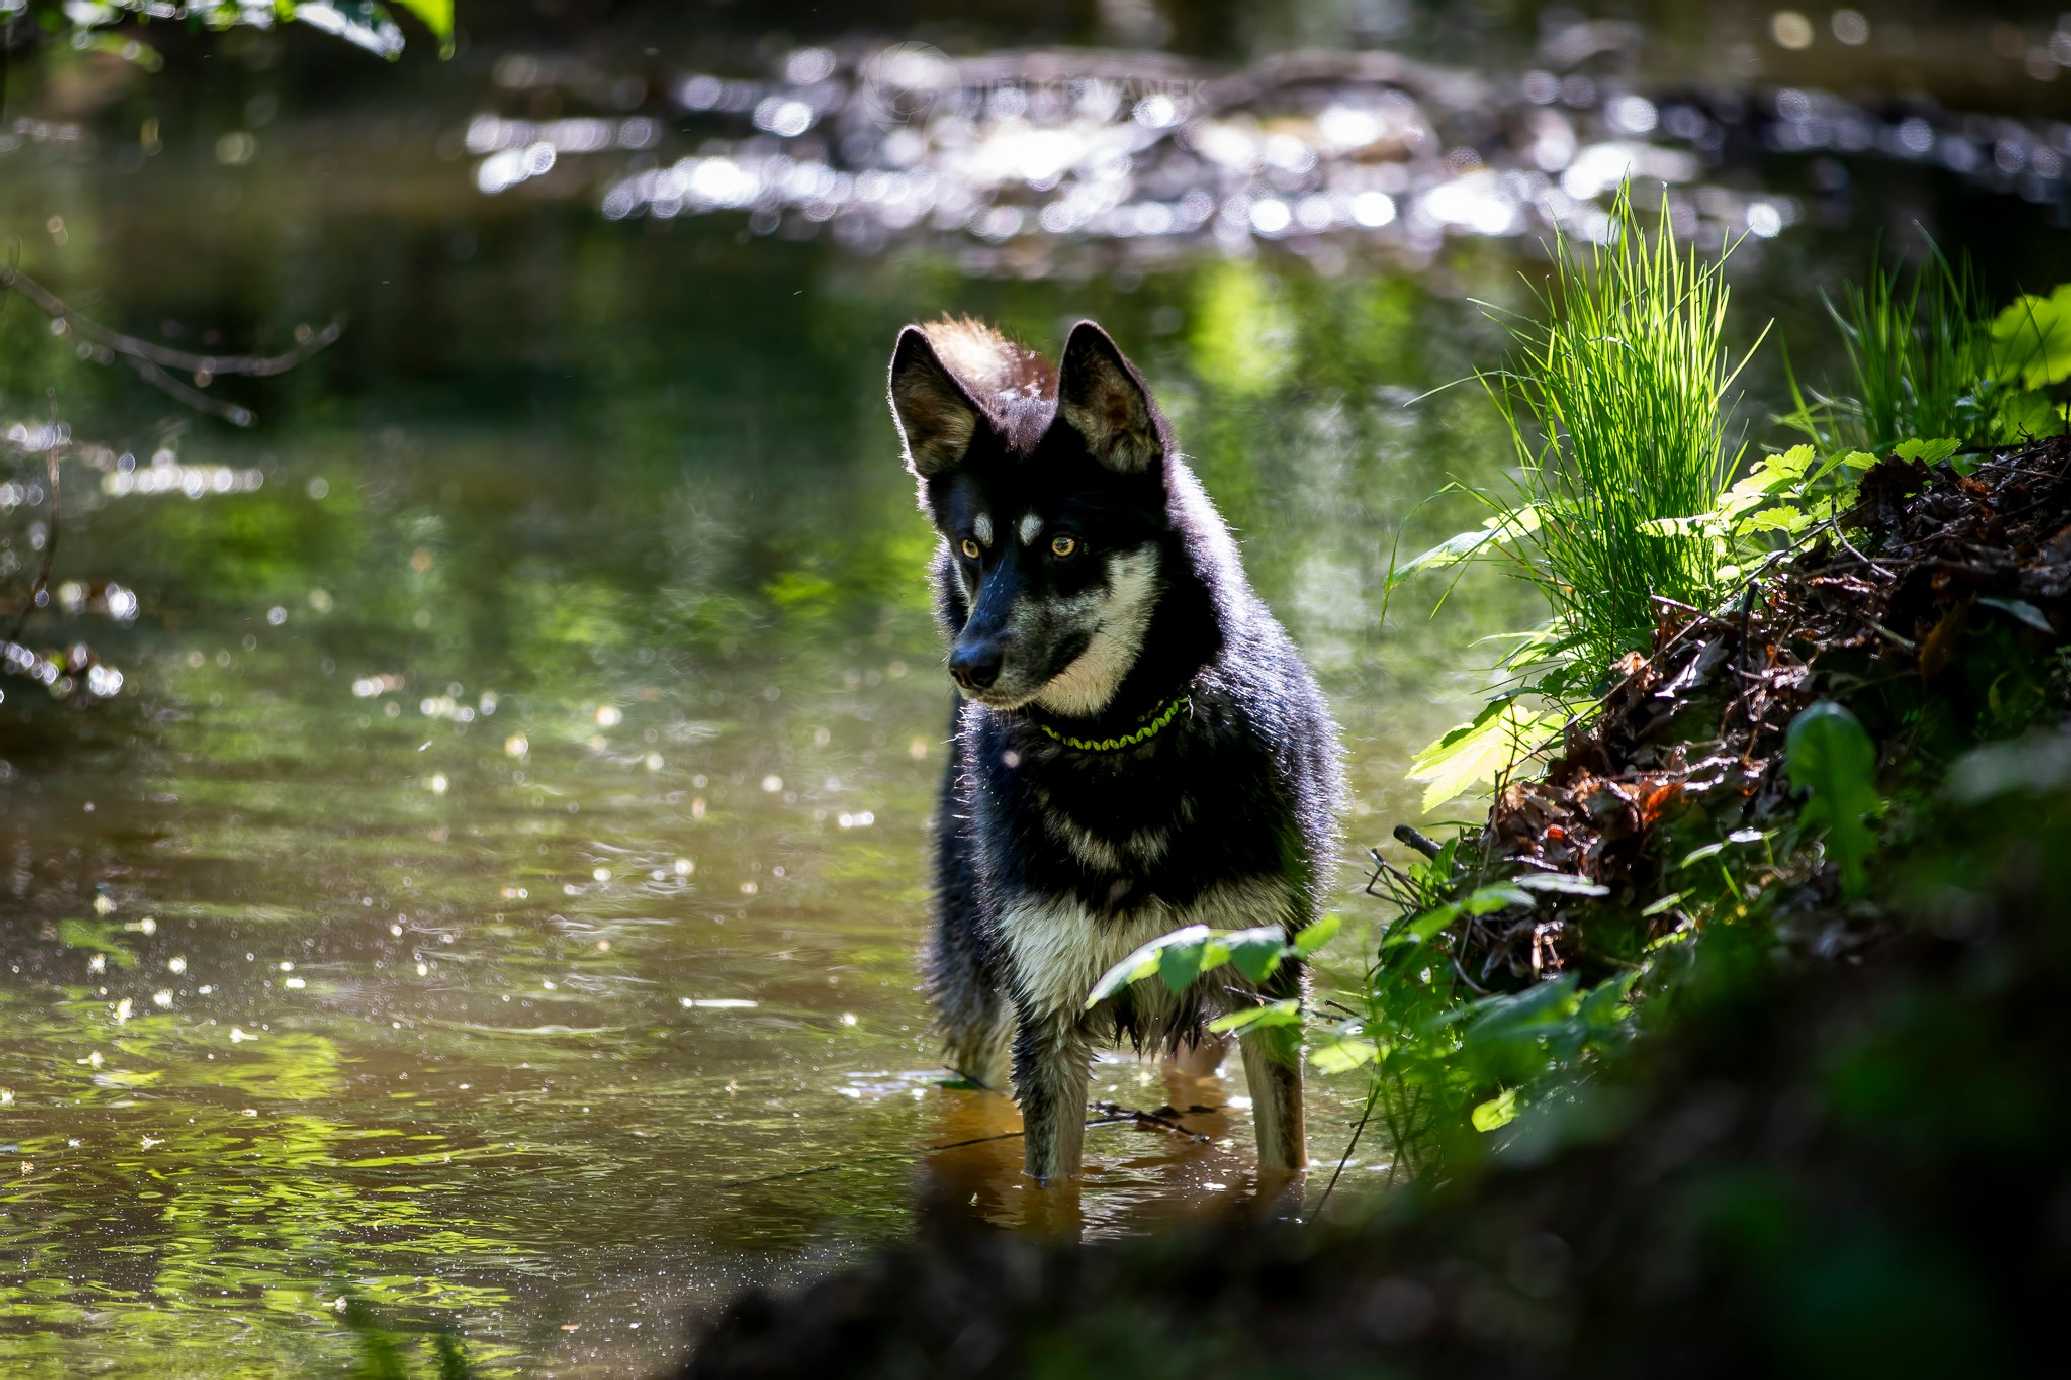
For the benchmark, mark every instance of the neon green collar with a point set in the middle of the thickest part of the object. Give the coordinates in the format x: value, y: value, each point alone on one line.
x: 1149, y: 729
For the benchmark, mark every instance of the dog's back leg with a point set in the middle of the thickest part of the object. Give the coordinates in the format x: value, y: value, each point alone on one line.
x: 1053, y: 1059
x: 1273, y: 1071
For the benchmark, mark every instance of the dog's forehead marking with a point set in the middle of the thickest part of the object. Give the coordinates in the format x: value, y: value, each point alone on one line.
x: 981, y: 528
x: 1031, y: 528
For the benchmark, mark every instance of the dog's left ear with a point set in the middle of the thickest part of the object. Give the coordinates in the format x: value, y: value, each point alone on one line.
x: 1103, y: 398
x: 935, y: 415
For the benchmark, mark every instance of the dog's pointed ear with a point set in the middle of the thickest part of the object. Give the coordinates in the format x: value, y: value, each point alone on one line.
x: 1103, y: 398
x: 935, y: 416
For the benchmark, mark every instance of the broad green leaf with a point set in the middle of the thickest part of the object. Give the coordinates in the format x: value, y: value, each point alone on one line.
x: 1286, y: 1011
x: 1927, y: 452
x: 1313, y: 937
x: 1476, y: 753
x: 1180, y: 964
x: 1141, y: 964
x: 1830, y: 757
x: 2029, y: 415
x: 1343, y: 1054
x: 1782, y: 517
x: 1773, y: 473
x: 1496, y: 1113
x: 2032, y: 339
x: 1859, y: 460
x: 1257, y: 953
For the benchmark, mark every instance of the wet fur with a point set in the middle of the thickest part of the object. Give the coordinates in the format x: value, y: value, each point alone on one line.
x: 1053, y: 863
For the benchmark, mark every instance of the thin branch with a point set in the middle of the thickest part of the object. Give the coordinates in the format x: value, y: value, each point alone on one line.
x: 1372, y: 1094
x: 155, y: 363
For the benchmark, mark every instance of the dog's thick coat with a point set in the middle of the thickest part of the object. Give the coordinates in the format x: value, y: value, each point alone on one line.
x: 1091, y: 592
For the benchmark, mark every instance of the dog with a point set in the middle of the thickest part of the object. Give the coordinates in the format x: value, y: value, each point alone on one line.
x: 1137, y: 744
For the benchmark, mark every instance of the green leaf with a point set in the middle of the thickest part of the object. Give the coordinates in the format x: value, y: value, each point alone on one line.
x: 1496, y: 1113
x: 1661, y: 903
x: 1286, y: 1011
x: 1141, y: 964
x: 1257, y: 953
x: 1179, y: 964
x: 2032, y: 339
x: 1478, y: 752
x: 436, y: 15
x: 1773, y: 473
x: 1343, y: 1054
x: 2023, y: 610
x: 1781, y: 517
x: 1460, y: 546
x: 1830, y: 757
x: 2029, y: 415
x: 1486, y: 900
x: 1927, y: 452
x: 1604, y: 1004
x: 1420, y: 927
x: 1563, y: 882
x: 1504, y: 527
x: 1313, y: 937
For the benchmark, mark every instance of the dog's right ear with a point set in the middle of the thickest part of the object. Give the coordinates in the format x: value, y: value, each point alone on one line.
x: 935, y: 416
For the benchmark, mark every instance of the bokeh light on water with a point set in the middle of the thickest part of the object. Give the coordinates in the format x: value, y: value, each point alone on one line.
x: 489, y: 881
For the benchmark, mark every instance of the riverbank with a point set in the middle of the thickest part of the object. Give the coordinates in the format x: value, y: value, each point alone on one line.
x: 1838, y: 1152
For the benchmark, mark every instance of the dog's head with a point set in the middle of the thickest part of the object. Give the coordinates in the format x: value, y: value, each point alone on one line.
x: 1050, y: 498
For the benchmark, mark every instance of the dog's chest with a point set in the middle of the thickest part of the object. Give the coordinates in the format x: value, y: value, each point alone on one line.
x: 1059, y: 946
x: 1116, y: 828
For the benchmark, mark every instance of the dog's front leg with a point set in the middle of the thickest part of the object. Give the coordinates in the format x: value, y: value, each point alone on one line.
x: 1052, y: 1059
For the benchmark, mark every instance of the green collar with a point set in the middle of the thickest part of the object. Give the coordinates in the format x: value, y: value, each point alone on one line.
x: 1149, y: 729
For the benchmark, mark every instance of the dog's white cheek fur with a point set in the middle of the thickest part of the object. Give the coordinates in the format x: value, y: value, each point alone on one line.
x: 1121, y: 616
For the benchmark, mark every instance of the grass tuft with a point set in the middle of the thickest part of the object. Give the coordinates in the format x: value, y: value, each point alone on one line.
x: 1616, y: 403
x: 1922, y: 361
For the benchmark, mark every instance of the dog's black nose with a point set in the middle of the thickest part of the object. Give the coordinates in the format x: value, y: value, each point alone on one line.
x: 976, y: 668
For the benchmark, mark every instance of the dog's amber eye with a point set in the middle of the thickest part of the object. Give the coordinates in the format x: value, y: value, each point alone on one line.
x: 1061, y: 545
x: 970, y: 549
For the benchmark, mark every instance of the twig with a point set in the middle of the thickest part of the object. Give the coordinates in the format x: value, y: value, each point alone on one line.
x: 1372, y: 1094
x: 1117, y: 1111
x: 152, y: 361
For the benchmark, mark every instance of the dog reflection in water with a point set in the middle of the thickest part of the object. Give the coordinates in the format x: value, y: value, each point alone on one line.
x: 1182, y: 1166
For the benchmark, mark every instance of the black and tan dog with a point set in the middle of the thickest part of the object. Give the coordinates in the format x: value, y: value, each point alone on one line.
x: 1139, y: 747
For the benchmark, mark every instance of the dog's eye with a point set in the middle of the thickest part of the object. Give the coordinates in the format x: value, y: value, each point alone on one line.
x: 1062, y: 546
x: 970, y: 549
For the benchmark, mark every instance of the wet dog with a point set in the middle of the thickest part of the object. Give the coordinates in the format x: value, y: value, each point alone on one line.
x: 1138, y: 747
